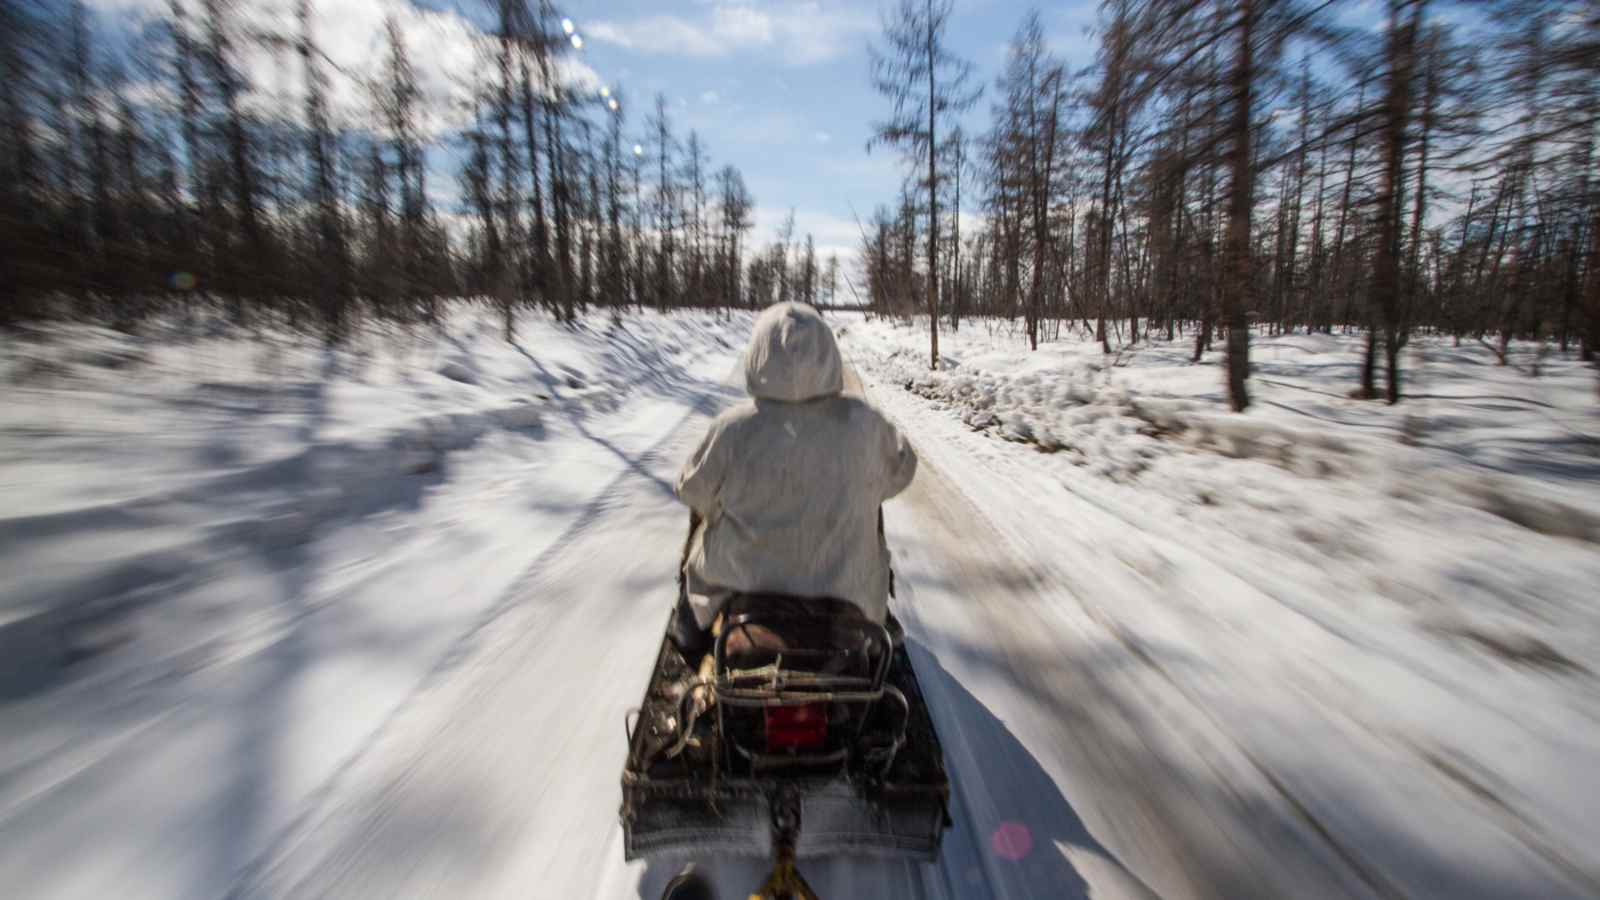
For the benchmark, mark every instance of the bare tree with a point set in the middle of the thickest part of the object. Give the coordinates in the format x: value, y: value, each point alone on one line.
x: 695, y: 185
x: 229, y: 85
x: 736, y: 207
x: 1386, y: 285
x: 806, y: 291
x: 666, y: 203
x: 926, y: 86
x: 331, y: 256
x: 1023, y: 152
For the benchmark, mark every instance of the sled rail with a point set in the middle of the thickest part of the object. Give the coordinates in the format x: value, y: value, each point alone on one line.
x: 675, y: 807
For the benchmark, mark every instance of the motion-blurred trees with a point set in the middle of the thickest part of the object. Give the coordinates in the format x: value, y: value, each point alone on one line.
x: 158, y: 174
x: 1226, y: 166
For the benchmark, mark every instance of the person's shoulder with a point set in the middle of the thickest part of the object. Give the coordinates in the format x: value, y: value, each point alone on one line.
x: 735, y: 415
x: 859, y: 409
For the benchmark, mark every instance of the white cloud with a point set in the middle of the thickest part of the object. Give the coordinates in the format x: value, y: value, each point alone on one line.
x: 863, y: 168
x: 657, y: 34
x: 742, y: 25
x: 800, y: 33
x: 832, y: 234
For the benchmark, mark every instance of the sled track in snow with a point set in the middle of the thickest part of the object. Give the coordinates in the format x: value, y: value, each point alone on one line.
x: 1324, y: 851
x: 1512, y: 822
x: 1169, y: 820
x: 251, y: 877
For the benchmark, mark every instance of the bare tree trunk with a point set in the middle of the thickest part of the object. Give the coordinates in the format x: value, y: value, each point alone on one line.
x: 955, y: 225
x: 1128, y: 280
x: 539, y: 262
x: 332, y: 259
x: 933, y: 204
x: 1337, y: 269
x: 219, y: 55
x: 1419, y: 211
x: 506, y: 280
x: 1397, y: 109
x: 1237, y: 282
x: 1591, y: 343
x: 190, y: 227
x: 1290, y: 314
x: 1104, y: 260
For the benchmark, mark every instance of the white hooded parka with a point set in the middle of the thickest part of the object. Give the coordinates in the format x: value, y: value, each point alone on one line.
x: 788, y: 484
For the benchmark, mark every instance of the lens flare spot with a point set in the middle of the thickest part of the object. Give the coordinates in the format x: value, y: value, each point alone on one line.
x: 1012, y: 840
x: 638, y: 150
x: 613, y: 104
x: 605, y: 91
x: 184, y: 281
x: 577, y: 42
x: 567, y: 26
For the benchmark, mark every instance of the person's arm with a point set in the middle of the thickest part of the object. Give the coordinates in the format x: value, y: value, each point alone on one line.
x: 701, y: 477
x: 902, y: 465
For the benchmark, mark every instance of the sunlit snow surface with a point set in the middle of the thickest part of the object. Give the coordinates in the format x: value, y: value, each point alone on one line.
x: 277, y: 620
x: 1391, y: 611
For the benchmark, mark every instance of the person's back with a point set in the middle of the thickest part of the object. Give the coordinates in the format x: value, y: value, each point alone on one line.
x: 789, y: 483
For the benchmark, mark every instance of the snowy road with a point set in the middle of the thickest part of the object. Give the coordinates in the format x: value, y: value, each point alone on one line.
x: 383, y: 647
x: 502, y: 781
x: 1227, y: 722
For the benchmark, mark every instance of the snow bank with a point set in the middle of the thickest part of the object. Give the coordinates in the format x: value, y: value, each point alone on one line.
x: 1117, y: 414
x: 1374, y: 601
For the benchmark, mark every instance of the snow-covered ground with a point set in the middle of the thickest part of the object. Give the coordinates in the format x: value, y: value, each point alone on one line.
x: 229, y: 563
x: 1391, y: 612
x: 283, y: 621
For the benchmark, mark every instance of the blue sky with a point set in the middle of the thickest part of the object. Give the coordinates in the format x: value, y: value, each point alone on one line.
x: 779, y: 88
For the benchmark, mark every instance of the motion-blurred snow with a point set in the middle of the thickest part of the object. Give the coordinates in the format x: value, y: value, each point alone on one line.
x: 279, y: 620
x: 1390, y: 609
x: 228, y: 562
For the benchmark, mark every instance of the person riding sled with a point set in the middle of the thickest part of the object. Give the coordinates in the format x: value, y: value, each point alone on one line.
x: 787, y: 486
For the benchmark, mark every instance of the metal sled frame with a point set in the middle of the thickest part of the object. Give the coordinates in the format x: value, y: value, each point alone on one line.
x: 882, y: 792
x: 703, y: 811
x: 773, y: 685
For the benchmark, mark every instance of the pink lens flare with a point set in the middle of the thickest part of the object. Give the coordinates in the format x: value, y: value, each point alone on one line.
x: 1012, y: 841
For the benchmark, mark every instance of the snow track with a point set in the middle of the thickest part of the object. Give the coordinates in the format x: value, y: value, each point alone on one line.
x: 372, y: 631
x: 194, y: 753
x: 1342, y: 754
x: 500, y: 780
x: 574, y: 584
x: 1071, y: 737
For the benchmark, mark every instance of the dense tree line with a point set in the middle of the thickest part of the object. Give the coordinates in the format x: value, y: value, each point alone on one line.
x: 146, y: 172
x: 1226, y: 166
